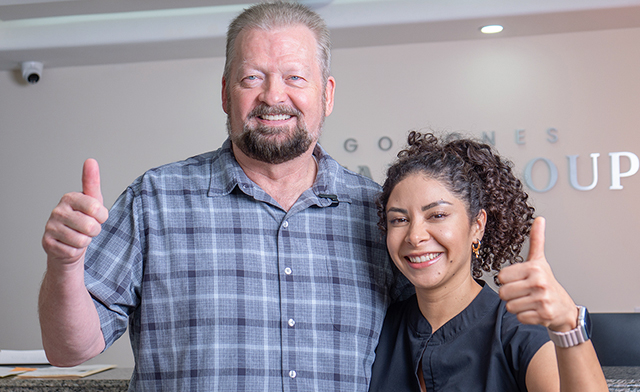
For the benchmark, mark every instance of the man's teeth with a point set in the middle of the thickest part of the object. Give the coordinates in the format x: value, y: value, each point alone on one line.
x: 424, y: 259
x: 276, y: 117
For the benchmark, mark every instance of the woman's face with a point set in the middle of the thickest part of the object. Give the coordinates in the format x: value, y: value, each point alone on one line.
x: 429, y: 234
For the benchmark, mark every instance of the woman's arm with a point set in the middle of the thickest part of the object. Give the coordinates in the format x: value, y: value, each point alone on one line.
x: 535, y: 296
x: 565, y: 369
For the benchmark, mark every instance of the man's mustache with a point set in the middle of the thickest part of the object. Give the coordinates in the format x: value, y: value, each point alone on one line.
x: 264, y: 110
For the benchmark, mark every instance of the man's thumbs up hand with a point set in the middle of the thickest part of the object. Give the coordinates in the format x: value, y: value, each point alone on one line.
x: 76, y: 219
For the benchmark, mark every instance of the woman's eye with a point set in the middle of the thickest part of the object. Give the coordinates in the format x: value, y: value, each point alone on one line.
x: 396, y: 221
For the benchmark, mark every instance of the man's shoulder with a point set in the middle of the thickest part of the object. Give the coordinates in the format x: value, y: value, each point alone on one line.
x: 354, y: 188
x: 354, y: 179
x: 348, y: 186
x: 192, y: 172
x: 194, y: 164
x: 350, y: 179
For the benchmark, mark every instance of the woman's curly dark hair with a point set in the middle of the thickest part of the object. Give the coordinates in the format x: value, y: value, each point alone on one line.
x: 481, y: 179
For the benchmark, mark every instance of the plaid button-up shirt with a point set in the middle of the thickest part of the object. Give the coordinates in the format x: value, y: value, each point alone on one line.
x: 223, y: 290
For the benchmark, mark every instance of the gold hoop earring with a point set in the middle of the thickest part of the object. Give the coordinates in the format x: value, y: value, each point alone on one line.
x: 475, y: 248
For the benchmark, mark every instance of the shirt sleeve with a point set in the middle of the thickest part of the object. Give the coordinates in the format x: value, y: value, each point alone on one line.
x: 522, y: 342
x: 113, y: 266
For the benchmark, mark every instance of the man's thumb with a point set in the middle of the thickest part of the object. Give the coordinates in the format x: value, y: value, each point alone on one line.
x: 91, y: 180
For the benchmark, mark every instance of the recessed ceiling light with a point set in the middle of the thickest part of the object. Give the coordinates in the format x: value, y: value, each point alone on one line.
x: 491, y: 29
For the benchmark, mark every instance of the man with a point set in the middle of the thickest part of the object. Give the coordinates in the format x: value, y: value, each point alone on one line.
x: 254, y: 267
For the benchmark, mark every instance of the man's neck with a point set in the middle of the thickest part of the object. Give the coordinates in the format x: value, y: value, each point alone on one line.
x: 284, y: 182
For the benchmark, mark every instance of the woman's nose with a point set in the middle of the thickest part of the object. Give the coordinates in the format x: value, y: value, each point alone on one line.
x: 417, y: 233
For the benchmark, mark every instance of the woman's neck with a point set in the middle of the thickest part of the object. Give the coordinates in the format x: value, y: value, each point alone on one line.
x: 442, y: 304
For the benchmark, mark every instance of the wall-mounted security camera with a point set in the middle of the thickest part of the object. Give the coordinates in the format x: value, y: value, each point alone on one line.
x: 32, y: 71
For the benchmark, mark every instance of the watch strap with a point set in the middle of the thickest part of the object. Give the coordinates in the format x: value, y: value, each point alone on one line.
x: 574, y: 337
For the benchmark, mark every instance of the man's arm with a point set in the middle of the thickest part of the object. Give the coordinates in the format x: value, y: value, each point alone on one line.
x: 69, y: 321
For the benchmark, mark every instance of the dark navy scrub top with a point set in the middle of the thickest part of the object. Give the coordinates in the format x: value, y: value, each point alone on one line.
x: 484, y: 348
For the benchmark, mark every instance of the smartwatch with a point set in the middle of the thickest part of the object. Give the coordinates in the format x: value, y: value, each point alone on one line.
x: 579, y: 334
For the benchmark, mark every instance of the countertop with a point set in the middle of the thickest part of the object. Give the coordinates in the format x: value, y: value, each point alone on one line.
x: 113, y: 380
x: 620, y: 379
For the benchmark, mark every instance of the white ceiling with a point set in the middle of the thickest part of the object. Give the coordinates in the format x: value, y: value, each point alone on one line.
x: 62, y: 33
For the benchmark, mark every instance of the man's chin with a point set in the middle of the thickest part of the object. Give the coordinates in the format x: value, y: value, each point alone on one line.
x: 273, y: 145
x: 271, y: 152
x: 283, y: 131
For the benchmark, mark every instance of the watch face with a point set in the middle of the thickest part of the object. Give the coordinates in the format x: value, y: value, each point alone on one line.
x: 587, y: 323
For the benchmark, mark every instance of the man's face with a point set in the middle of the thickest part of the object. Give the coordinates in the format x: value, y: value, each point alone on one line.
x: 275, y: 99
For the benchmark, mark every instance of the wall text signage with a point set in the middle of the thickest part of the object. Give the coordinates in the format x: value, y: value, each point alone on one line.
x: 617, y: 160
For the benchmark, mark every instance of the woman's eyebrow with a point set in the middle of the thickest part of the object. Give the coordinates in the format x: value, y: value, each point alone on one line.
x: 398, y: 210
x: 434, y: 204
x: 424, y: 208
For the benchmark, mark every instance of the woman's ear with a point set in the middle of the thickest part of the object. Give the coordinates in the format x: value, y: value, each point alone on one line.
x: 479, y: 224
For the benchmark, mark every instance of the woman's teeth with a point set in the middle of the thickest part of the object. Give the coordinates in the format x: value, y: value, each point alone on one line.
x: 424, y: 258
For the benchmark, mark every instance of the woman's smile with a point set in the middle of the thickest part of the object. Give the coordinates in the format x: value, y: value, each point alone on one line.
x: 424, y: 260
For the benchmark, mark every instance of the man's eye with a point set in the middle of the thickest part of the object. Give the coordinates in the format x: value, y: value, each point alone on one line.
x: 250, y: 80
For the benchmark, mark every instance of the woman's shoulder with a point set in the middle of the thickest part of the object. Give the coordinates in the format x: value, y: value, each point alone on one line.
x: 400, y: 306
x: 399, y: 311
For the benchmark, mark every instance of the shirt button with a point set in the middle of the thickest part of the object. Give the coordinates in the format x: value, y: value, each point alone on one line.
x: 285, y: 224
x: 292, y: 373
x: 288, y: 271
x: 291, y: 322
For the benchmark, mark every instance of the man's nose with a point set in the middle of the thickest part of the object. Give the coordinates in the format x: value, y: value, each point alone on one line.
x: 274, y: 91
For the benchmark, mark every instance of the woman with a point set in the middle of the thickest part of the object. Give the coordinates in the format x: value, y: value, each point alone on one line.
x: 452, y: 210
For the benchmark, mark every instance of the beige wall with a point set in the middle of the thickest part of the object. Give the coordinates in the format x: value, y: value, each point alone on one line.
x: 135, y: 116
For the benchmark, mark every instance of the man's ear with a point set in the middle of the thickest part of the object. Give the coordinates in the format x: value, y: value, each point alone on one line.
x: 328, y: 95
x: 224, y: 96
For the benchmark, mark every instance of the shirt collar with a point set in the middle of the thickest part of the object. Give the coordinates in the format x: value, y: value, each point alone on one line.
x: 226, y: 174
x: 483, y: 303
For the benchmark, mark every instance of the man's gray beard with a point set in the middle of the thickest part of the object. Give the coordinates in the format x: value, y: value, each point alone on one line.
x: 255, y: 142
